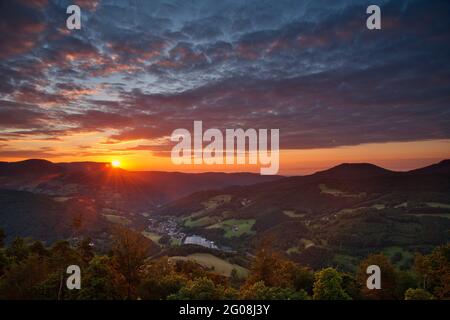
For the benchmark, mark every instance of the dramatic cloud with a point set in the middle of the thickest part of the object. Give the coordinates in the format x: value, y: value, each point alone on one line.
x: 14, y: 115
x: 20, y: 28
x: 25, y: 153
x: 140, y: 69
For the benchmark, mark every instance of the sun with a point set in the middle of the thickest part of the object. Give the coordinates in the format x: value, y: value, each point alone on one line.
x: 115, y: 163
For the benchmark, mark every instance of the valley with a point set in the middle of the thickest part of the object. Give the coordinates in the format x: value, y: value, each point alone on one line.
x: 333, y: 217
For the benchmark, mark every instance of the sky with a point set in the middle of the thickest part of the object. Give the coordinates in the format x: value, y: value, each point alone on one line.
x: 137, y: 70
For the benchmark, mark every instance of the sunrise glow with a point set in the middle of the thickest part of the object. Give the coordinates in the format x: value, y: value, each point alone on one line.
x: 129, y: 96
x: 115, y: 163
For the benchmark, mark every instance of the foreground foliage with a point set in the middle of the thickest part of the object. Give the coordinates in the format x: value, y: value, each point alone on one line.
x: 29, y: 270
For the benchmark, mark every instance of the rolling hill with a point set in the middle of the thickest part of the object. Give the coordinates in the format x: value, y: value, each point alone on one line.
x: 129, y: 190
x: 325, y: 218
x: 351, y: 208
x: 40, y: 199
x: 40, y: 217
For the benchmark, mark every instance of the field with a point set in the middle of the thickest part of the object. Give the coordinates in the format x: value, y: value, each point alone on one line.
x: 152, y: 236
x: 293, y: 214
x: 438, y: 205
x: 214, y: 202
x: 235, y: 227
x: 292, y: 250
x: 338, y: 193
x: 378, y: 206
x: 202, y: 222
x: 175, y: 242
x: 214, y: 263
x: 439, y: 215
x: 117, y: 219
x: 305, y: 244
x: 61, y: 199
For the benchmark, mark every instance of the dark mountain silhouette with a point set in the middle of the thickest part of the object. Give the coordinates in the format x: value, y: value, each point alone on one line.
x: 357, y: 170
x: 149, y: 188
x: 39, y: 198
x: 326, y: 191
x: 28, y: 167
x: 442, y: 167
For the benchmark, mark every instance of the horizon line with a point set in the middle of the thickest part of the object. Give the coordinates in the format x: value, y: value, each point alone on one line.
x: 232, y: 172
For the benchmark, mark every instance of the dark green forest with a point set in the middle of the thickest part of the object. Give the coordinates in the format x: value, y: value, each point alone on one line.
x: 30, y: 270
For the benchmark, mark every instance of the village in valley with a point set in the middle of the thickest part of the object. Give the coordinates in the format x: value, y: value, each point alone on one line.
x: 170, y: 227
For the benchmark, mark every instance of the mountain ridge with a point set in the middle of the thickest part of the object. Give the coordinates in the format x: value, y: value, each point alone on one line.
x: 351, y: 208
x: 361, y: 166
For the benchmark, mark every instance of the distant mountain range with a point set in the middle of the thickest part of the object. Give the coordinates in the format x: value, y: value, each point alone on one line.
x: 350, y: 208
x: 325, y: 218
x: 144, y: 189
x: 345, y: 184
x: 39, y: 198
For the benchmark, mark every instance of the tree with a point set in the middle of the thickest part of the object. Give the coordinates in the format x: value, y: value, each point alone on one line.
x: 4, y: 262
x: 61, y: 256
x: 2, y: 238
x: 18, y: 250
x: 160, y: 279
x: 86, y: 250
x: 203, y: 289
x: 350, y: 285
x: 102, y: 281
x: 328, y: 286
x: 235, y: 280
x: 417, y: 294
x: 388, y: 289
x: 302, y: 278
x: 405, y: 280
x: 396, y: 257
x: 38, y: 248
x: 21, y: 279
x: 190, y: 269
x: 274, y: 270
x: 434, y: 271
x: 259, y: 291
x: 53, y: 288
x: 160, y: 287
x: 129, y: 252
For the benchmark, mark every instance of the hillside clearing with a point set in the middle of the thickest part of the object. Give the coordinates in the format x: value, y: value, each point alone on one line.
x: 438, y: 205
x: 201, y: 222
x: 235, y: 227
x: 338, y: 193
x: 152, y: 236
x: 216, y: 201
x: 400, y: 255
x: 117, y: 219
x: 217, y: 265
x: 293, y: 214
